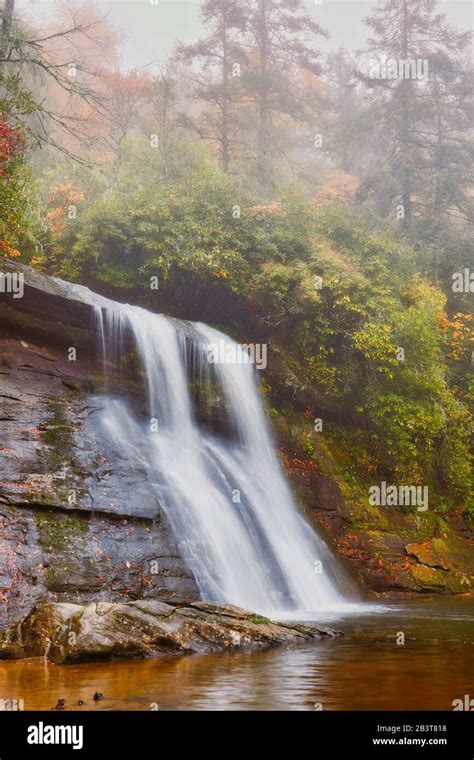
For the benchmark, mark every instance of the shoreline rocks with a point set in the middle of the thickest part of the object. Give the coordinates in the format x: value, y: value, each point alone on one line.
x: 71, y: 633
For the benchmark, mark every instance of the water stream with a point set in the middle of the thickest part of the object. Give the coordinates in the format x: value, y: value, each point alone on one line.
x: 366, y: 669
x: 226, y: 498
x: 232, y: 512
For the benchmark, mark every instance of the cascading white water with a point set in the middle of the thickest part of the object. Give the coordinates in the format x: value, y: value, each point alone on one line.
x: 232, y: 512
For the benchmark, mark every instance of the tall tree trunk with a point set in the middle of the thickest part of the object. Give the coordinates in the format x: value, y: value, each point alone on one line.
x: 263, y: 139
x: 225, y: 141
x: 438, y: 160
x: 7, y: 20
x: 405, y: 88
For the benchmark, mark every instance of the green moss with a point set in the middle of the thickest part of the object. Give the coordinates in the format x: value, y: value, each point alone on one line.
x: 427, y: 577
x: 52, y: 576
x: 57, y: 531
x: 58, y: 430
x: 38, y: 497
x: 307, y: 442
x: 131, y: 362
x: 58, y: 436
x: 258, y: 619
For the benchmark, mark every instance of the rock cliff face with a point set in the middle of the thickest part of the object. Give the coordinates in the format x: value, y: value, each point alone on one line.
x: 392, y: 551
x: 74, y: 524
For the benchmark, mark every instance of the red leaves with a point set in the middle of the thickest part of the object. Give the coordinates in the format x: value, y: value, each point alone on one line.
x: 305, y: 468
x: 11, y: 143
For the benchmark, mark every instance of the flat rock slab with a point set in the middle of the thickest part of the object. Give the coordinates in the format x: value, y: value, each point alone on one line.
x: 67, y: 633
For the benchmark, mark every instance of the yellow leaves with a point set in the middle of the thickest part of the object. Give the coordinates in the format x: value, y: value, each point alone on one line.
x: 462, y: 336
x: 37, y: 261
x: 375, y: 342
x: 443, y: 321
x: 426, y: 297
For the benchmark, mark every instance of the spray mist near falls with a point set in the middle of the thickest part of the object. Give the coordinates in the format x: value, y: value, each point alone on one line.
x: 225, y: 496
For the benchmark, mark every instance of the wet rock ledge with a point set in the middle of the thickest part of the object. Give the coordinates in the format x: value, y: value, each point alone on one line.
x: 67, y: 633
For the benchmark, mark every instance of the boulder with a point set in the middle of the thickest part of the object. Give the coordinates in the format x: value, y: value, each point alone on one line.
x: 431, y: 553
x: 67, y: 633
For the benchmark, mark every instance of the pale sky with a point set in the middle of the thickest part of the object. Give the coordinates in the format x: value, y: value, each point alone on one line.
x: 152, y: 27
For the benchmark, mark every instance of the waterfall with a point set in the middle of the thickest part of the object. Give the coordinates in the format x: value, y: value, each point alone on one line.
x: 224, y: 494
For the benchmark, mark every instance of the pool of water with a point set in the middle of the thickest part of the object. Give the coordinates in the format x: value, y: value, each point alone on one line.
x: 366, y: 669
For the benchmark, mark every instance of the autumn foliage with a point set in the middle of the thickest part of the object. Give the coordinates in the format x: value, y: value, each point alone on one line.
x: 12, y: 156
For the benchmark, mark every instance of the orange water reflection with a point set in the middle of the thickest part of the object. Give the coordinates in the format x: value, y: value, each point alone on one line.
x: 365, y: 669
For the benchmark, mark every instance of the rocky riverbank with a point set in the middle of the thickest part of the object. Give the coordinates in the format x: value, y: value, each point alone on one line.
x: 67, y: 633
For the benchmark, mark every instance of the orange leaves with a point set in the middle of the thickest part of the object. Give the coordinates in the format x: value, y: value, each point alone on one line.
x: 337, y: 187
x: 63, y: 195
x: 305, y: 468
x: 269, y: 209
x: 221, y: 274
x: 461, y: 328
x: 65, y: 192
x: 8, y: 250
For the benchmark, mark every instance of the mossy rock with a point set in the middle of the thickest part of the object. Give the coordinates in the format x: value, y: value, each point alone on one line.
x: 257, y: 619
x: 432, y: 553
x: 58, y: 531
x: 58, y: 436
x: 428, y: 577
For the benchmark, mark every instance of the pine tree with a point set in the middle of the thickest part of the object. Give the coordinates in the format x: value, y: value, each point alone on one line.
x: 348, y: 112
x: 449, y: 133
x: 217, y: 59
x: 282, y: 59
x: 411, y: 110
